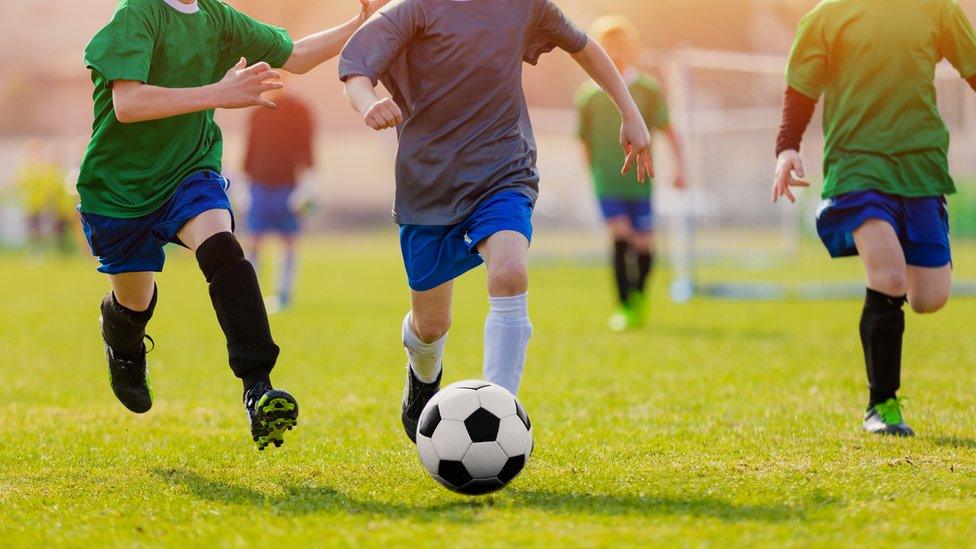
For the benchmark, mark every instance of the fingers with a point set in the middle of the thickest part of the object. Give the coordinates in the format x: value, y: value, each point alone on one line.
x: 649, y: 163
x: 269, y: 86
x: 262, y: 102
x: 267, y: 75
x: 629, y: 161
x: 241, y: 64
x: 259, y: 67
x: 383, y: 115
x: 798, y: 167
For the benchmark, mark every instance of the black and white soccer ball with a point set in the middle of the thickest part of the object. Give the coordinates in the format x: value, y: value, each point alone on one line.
x: 474, y: 437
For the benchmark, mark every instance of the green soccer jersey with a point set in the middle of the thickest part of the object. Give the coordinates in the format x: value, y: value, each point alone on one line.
x: 599, y: 128
x: 130, y: 170
x: 874, y: 62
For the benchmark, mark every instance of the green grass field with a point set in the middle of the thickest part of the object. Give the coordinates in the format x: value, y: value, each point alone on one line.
x: 726, y: 423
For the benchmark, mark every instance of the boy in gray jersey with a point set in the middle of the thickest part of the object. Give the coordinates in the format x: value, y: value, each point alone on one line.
x: 466, y: 166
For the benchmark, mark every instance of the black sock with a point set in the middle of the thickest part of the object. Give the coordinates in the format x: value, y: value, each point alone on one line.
x: 621, y: 269
x: 125, y: 329
x: 882, y: 328
x: 645, y: 264
x: 237, y: 300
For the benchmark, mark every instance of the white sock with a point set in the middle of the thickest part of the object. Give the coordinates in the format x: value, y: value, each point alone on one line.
x: 425, y: 358
x: 507, y: 334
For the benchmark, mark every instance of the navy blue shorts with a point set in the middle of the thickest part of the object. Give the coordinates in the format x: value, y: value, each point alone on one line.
x: 922, y: 224
x: 639, y: 212
x: 271, y: 210
x: 136, y: 245
x: 435, y: 254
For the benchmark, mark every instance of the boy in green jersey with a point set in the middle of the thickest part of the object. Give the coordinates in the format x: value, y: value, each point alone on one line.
x: 626, y: 208
x: 151, y: 175
x: 885, y: 161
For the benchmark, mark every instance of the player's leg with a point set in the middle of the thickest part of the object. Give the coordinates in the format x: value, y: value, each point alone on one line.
x: 236, y: 297
x: 254, y: 251
x: 883, y: 323
x: 424, y: 338
x: 125, y: 313
x: 642, y: 242
x: 286, y: 280
x: 507, y: 328
x: 929, y: 288
x: 622, y: 235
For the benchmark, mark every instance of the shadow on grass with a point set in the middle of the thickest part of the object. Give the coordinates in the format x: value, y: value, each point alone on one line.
x: 955, y: 442
x: 691, y: 506
x: 300, y: 499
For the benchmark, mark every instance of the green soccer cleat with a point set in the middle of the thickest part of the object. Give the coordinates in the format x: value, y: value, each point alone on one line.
x: 271, y: 412
x: 886, y: 419
x: 637, y: 303
x: 622, y: 319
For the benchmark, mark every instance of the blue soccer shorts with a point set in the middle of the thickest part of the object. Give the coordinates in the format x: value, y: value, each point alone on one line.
x: 639, y: 212
x: 436, y: 254
x: 922, y: 224
x: 136, y: 245
x: 271, y: 210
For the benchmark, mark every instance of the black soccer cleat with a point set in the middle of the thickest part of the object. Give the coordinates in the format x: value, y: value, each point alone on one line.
x: 130, y: 378
x: 886, y: 419
x: 416, y: 395
x: 271, y: 412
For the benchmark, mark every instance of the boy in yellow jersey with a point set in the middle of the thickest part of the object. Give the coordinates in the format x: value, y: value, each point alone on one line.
x: 627, y: 208
x: 885, y: 161
x: 39, y: 181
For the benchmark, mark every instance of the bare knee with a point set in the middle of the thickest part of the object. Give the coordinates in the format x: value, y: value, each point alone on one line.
x: 928, y: 304
x: 508, y: 278
x: 430, y: 329
x: 893, y: 282
x: 134, y: 301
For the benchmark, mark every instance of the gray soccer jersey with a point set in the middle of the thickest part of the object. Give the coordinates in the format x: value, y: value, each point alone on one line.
x: 455, y: 69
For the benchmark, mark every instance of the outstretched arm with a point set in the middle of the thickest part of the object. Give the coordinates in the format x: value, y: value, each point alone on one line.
x: 241, y: 87
x: 313, y: 50
x: 634, y: 136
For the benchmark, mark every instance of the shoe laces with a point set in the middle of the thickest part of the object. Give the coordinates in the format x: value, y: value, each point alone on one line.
x: 890, y: 411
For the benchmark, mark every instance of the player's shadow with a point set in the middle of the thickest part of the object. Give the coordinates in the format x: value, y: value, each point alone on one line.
x: 301, y: 499
x: 687, y: 505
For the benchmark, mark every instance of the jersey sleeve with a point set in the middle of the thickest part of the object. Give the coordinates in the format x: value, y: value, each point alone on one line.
x: 553, y: 30
x: 374, y: 48
x: 584, y: 118
x: 957, y: 41
x: 806, y: 70
x: 655, y: 111
x: 253, y: 40
x: 123, y: 49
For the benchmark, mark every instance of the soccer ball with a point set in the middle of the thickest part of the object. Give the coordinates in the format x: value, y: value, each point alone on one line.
x: 474, y: 437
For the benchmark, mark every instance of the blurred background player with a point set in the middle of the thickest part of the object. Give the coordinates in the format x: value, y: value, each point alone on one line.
x: 40, y: 182
x: 278, y: 159
x: 885, y: 158
x: 627, y: 208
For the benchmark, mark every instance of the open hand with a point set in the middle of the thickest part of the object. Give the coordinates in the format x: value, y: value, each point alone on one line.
x: 384, y: 114
x: 636, y: 141
x: 789, y: 173
x: 243, y: 86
